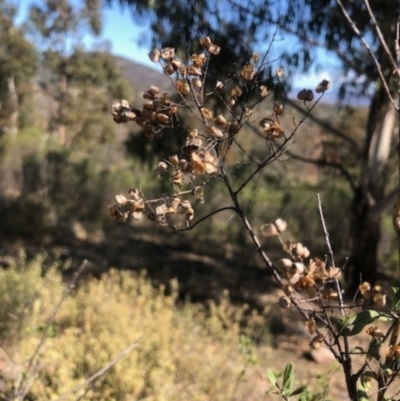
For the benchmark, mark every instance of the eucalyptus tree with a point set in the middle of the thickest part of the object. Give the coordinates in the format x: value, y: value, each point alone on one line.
x: 18, y: 64
x: 81, y: 82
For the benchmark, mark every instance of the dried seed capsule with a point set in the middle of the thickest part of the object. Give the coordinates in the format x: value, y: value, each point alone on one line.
x: 215, y: 132
x: 323, y: 86
x: 214, y: 50
x: 206, y: 42
x: 284, y: 302
x: 168, y: 53
x: 183, y: 87
x: 121, y: 199
x: 316, y: 342
x: 264, y: 91
x: 196, y: 82
x: 278, y: 108
x: 306, y: 95
x: 154, y: 55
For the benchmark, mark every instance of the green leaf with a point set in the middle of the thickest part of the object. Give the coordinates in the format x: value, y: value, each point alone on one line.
x: 272, y: 392
x: 271, y: 377
x: 369, y: 375
x: 357, y: 350
x: 396, y: 299
x: 374, y: 348
x: 288, y: 379
x: 299, y: 390
x: 354, y: 324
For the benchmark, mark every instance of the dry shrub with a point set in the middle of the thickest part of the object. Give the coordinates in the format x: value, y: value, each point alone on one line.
x: 184, y: 353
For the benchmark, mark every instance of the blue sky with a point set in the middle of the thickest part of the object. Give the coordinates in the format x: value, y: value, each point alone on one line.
x: 122, y: 32
x: 119, y: 29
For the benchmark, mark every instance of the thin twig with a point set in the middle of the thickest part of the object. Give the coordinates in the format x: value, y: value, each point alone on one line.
x: 280, y: 149
x: 328, y: 243
x: 346, y: 360
x: 380, y: 35
x: 369, y: 50
x: 324, y: 163
x: 22, y: 392
x: 207, y: 216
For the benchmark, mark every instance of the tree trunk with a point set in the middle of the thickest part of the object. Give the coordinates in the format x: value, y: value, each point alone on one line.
x: 365, y: 223
x: 62, y: 87
x: 13, y: 117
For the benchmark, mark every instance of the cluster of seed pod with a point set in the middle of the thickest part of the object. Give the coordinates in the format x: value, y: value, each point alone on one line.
x: 307, y: 95
x: 161, y: 211
x: 198, y: 154
x: 310, y: 277
x: 195, y: 158
x: 374, y: 294
x: 157, y: 112
x: 191, y: 73
x: 300, y: 272
x: 271, y: 128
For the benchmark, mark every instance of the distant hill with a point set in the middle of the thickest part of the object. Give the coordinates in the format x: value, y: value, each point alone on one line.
x: 141, y: 76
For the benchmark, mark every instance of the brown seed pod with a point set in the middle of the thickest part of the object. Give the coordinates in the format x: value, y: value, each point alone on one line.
x: 284, y: 302
x: 285, y: 264
x: 206, y: 42
x: 121, y: 199
x: 206, y: 113
x: 278, y: 109
x: 373, y: 331
x: 323, y: 86
x: 198, y: 59
x: 236, y: 92
x: 162, y: 118
x: 306, y: 95
x: 317, y: 341
x: 248, y: 72
x: 215, y: 132
x: 220, y: 121
x: 264, y: 91
x: 311, y: 326
x: 186, y: 204
x: 197, y: 83
x: 214, y: 50
x: 154, y: 55
x: 169, y: 69
x: 365, y: 290
x: 168, y: 53
x: 193, y: 70
x: 183, y: 87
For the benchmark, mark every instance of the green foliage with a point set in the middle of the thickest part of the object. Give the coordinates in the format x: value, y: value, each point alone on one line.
x: 285, y: 389
x: 82, y: 84
x: 20, y: 285
x: 354, y: 324
x: 18, y: 64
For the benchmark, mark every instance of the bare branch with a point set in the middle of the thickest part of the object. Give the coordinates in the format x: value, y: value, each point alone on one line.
x: 280, y: 150
x: 327, y: 126
x: 369, y: 50
x: 22, y: 390
x: 325, y: 163
x: 380, y: 35
x: 206, y: 217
